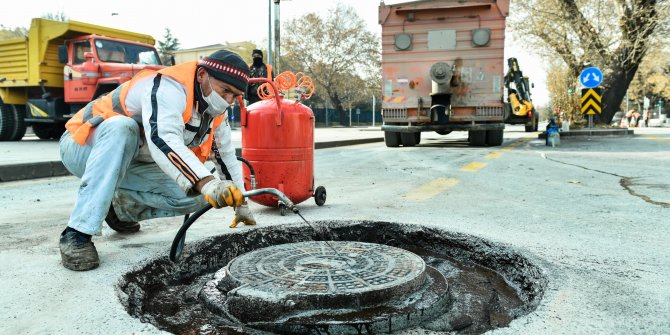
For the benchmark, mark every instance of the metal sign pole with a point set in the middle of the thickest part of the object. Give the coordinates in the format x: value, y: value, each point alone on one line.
x: 590, y: 121
x: 373, y: 110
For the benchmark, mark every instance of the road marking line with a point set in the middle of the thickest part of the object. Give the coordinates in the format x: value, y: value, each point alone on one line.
x: 518, y: 142
x: 494, y: 155
x: 431, y: 189
x: 473, y: 167
x: 656, y: 138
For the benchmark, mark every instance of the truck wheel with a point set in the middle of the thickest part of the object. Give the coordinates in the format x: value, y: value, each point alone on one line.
x: 477, y: 138
x: 391, y: 139
x: 6, y: 122
x: 494, y: 137
x: 408, y: 139
x: 532, y: 125
x: 57, y: 131
x: 417, y: 137
x: 12, y: 122
x: 19, y: 122
x: 43, y: 130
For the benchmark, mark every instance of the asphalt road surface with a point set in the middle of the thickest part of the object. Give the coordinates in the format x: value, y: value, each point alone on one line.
x: 594, y: 213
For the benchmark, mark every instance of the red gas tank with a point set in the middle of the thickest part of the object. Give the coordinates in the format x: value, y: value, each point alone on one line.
x: 279, y: 144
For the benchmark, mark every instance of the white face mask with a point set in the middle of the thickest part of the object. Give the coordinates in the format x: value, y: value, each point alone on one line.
x: 217, y: 104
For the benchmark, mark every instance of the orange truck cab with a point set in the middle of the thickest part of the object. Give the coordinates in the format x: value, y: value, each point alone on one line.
x: 443, y: 69
x: 95, y: 65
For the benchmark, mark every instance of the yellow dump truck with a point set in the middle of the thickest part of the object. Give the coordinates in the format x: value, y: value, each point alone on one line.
x: 442, y: 69
x: 46, y: 77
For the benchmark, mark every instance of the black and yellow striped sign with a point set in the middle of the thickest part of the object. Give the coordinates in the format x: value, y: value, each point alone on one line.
x: 591, y: 101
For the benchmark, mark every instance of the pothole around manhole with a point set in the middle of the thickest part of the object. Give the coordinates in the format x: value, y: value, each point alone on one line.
x: 385, y: 277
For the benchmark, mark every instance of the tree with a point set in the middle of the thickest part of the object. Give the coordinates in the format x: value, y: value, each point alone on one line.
x: 57, y: 16
x: 9, y: 33
x: 653, y: 78
x: 581, y: 33
x: 340, y: 55
x: 559, y: 77
x: 167, y: 47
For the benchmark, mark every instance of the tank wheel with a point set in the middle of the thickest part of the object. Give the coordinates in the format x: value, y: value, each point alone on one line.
x: 320, y: 196
x: 408, y: 139
x: 494, y: 137
x: 43, y: 130
x: 282, y: 209
x: 391, y: 139
x: 477, y: 138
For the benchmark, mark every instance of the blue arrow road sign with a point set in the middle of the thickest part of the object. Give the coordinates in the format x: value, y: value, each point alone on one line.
x: 591, y: 77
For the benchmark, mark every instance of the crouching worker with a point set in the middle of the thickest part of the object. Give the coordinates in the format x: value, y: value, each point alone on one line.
x: 140, y: 149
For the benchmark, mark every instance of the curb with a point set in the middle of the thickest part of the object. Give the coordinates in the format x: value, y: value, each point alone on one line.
x: 24, y: 171
x: 593, y: 132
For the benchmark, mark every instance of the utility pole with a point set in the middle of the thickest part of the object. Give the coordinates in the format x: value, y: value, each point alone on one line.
x: 277, y: 51
x: 374, y: 102
x: 270, y: 59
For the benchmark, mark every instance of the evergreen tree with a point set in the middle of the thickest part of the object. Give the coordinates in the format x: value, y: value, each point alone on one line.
x: 167, y: 47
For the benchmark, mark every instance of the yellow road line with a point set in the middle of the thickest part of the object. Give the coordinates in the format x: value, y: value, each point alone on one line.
x: 473, y: 167
x: 518, y: 142
x: 656, y: 138
x: 494, y: 155
x: 431, y: 189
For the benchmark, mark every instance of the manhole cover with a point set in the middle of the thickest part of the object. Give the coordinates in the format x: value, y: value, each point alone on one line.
x: 309, y: 283
x: 315, y: 268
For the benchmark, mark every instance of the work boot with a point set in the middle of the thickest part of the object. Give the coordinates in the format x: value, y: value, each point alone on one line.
x: 77, y: 251
x: 119, y: 226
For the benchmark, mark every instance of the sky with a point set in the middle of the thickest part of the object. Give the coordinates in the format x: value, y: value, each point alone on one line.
x: 213, y: 22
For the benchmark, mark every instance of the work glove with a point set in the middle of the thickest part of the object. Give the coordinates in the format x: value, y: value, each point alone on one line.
x: 222, y: 193
x: 243, y: 214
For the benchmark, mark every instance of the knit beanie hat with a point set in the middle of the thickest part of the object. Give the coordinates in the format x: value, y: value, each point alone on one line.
x: 257, y: 51
x: 228, y: 67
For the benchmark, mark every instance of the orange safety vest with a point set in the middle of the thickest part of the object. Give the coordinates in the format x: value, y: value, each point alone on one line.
x: 114, y: 104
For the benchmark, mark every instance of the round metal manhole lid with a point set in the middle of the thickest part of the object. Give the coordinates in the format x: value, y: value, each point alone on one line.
x: 281, y: 280
x: 315, y: 268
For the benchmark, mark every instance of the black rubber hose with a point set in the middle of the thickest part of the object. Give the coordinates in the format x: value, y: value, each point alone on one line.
x: 178, y: 242
x: 246, y: 162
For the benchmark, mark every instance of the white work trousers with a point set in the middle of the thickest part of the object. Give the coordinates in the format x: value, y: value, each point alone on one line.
x: 110, y: 175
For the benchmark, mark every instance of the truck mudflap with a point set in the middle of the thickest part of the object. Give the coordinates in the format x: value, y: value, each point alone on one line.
x: 421, y: 128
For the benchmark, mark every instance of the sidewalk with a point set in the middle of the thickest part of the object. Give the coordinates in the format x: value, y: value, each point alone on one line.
x: 34, y: 158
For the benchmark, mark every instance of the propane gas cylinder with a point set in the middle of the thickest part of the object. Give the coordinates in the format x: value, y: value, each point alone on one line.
x: 278, y: 141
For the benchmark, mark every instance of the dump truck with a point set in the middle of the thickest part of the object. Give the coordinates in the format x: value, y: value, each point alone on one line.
x: 443, y: 70
x: 46, y: 77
